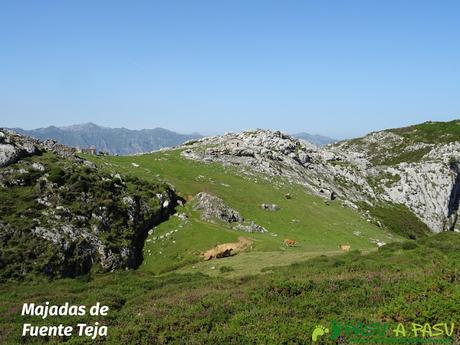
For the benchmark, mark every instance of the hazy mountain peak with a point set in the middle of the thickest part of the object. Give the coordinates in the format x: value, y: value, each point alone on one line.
x: 76, y: 127
x: 319, y: 140
x: 120, y: 141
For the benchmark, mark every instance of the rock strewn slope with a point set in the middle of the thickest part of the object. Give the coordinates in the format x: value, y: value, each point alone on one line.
x: 60, y: 216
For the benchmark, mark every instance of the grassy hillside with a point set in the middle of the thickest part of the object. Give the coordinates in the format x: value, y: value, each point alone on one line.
x: 431, y: 132
x: 414, y: 281
x: 415, y: 142
x: 318, y: 226
x: 399, y: 219
x: 45, y: 198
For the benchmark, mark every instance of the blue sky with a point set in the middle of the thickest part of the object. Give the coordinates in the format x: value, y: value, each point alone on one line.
x: 339, y: 68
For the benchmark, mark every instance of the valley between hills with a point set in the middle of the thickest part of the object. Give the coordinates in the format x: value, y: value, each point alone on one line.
x: 246, y: 238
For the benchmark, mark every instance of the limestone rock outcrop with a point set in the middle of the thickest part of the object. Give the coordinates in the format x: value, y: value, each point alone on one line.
x: 383, y: 167
x: 213, y: 208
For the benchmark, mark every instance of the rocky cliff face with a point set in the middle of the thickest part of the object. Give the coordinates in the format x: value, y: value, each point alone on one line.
x: 391, y: 167
x: 405, y: 166
x: 61, y: 216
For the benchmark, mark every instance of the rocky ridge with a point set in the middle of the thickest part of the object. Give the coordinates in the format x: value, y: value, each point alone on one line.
x: 382, y: 168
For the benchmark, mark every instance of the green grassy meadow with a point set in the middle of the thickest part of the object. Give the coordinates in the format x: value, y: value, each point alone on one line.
x: 413, y: 281
x: 318, y: 226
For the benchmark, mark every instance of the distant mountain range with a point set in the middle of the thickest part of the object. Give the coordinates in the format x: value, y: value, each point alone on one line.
x: 319, y: 140
x: 123, y: 141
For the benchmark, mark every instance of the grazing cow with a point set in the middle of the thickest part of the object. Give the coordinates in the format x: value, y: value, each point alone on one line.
x: 344, y: 247
x: 227, y: 249
x: 217, y: 253
x: 289, y: 243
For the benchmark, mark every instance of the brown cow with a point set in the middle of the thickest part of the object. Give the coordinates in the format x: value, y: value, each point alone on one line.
x: 344, y: 247
x: 289, y: 243
x: 227, y: 249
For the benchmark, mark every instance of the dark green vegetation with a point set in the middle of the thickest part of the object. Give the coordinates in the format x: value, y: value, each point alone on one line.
x: 401, y: 156
x: 46, y: 196
x: 390, y: 155
x: 431, y: 132
x: 414, y: 281
x: 399, y: 219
